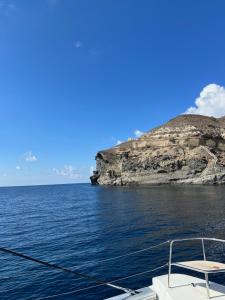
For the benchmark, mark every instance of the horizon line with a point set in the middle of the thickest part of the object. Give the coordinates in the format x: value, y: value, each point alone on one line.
x: 34, y: 185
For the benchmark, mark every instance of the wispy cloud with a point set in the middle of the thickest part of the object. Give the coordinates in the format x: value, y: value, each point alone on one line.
x: 95, y: 52
x: 18, y: 168
x: 91, y: 170
x: 211, y: 101
x: 7, y: 7
x: 68, y: 171
x: 78, y: 44
x: 29, y: 157
x: 53, y: 2
x: 138, y: 133
x: 119, y: 142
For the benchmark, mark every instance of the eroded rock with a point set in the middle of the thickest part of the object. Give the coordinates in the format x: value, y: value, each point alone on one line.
x: 187, y: 149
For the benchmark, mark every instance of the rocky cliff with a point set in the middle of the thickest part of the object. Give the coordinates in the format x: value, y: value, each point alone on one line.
x: 187, y: 149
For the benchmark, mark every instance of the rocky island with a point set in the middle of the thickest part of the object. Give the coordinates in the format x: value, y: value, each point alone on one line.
x: 188, y: 149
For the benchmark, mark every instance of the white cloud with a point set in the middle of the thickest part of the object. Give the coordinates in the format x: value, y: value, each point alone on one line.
x: 91, y: 170
x: 29, y: 157
x: 78, y: 44
x: 18, y: 168
x: 119, y: 142
x: 68, y: 171
x: 138, y: 133
x: 211, y: 102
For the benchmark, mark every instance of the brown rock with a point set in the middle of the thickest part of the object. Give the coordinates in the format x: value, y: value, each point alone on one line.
x: 187, y: 149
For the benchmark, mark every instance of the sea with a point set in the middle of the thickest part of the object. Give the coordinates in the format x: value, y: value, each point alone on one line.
x: 83, y: 227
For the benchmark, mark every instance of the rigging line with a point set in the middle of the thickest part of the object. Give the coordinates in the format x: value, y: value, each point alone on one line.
x: 22, y: 274
x: 54, y: 266
x: 141, y: 273
x: 104, y: 260
x: 69, y: 293
x: 34, y: 276
x: 120, y: 256
x: 94, y: 286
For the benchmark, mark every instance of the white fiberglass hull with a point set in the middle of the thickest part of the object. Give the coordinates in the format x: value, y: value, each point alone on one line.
x: 183, y: 287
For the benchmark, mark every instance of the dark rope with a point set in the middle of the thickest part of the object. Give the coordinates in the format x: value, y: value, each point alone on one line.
x: 54, y: 266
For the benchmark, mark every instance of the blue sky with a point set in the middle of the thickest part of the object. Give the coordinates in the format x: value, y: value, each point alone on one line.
x: 78, y: 76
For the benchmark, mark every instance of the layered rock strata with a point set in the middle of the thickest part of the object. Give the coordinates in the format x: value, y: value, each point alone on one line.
x: 187, y: 149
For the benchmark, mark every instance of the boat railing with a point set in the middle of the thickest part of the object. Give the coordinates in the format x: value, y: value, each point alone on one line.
x: 111, y: 283
x: 191, y: 265
x: 201, y: 239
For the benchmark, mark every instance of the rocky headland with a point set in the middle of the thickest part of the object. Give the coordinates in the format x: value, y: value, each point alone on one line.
x: 187, y: 149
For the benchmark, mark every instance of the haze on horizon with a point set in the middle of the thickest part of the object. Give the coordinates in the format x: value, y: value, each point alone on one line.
x: 80, y: 76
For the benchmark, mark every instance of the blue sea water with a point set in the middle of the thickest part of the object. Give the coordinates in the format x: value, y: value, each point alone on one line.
x: 78, y: 225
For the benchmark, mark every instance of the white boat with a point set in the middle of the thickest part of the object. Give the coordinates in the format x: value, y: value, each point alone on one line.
x: 175, y: 286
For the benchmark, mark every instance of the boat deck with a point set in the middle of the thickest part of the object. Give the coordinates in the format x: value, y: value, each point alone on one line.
x: 186, y: 288
x: 144, y: 293
x: 182, y: 287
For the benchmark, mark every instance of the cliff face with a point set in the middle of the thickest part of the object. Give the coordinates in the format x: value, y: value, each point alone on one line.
x: 187, y: 149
